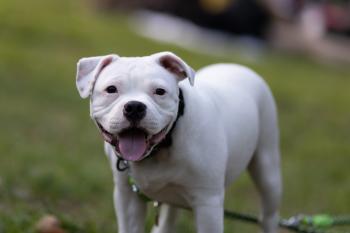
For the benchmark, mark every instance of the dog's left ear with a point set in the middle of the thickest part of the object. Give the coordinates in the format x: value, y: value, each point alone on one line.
x: 175, y: 65
x: 88, y: 70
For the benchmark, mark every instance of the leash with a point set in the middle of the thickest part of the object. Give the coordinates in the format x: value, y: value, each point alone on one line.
x: 319, y: 223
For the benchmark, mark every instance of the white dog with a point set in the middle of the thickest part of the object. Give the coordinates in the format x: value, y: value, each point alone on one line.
x: 184, y: 143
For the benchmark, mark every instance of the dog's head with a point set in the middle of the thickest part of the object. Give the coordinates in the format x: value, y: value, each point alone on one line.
x: 134, y: 100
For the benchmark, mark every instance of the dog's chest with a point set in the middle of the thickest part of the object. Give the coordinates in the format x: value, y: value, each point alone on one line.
x: 157, y: 179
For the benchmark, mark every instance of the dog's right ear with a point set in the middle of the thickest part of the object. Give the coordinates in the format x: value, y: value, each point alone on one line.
x: 88, y: 70
x: 175, y: 65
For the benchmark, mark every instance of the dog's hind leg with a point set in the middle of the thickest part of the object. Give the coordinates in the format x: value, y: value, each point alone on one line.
x: 264, y: 167
x: 265, y: 174
x: 167, y: 220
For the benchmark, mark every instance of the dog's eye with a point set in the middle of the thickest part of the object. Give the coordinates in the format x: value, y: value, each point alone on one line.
x: 111, y: 89
x: 159, y: 91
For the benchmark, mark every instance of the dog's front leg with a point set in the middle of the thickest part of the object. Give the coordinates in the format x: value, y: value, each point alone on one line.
x: 209, y: 219
x: 129, y: 207
x: 209, y: 214
x: 167, y: 220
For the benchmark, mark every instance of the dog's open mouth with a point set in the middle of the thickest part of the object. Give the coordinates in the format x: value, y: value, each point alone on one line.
x: 134, y: 143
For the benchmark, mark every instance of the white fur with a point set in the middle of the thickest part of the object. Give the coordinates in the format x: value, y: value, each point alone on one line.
x: 229, y: 125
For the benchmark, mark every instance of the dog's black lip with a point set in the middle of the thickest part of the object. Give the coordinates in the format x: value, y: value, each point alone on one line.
x: 107, y: 136
x: 133, y: 128
x: 103, y: 129
x: 114, y: 137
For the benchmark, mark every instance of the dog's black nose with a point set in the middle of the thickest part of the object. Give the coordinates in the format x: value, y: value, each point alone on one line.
x: 134, y: 111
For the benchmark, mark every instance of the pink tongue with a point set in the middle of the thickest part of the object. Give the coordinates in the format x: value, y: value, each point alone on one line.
x: 132, y: 144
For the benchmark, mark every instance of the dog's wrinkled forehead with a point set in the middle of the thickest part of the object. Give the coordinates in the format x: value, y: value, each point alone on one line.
x: 165, y: 64
x: 135, y: 71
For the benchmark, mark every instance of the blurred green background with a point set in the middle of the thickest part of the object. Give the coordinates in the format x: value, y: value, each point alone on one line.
x: 51, y: 156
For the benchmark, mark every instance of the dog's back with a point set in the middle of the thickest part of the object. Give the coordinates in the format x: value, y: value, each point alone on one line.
x: 242, y: 111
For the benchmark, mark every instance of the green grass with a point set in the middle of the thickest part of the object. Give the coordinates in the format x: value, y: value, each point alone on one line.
x: 51, y: 157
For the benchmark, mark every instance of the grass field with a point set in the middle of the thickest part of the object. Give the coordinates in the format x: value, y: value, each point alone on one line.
x: 51, y: 157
